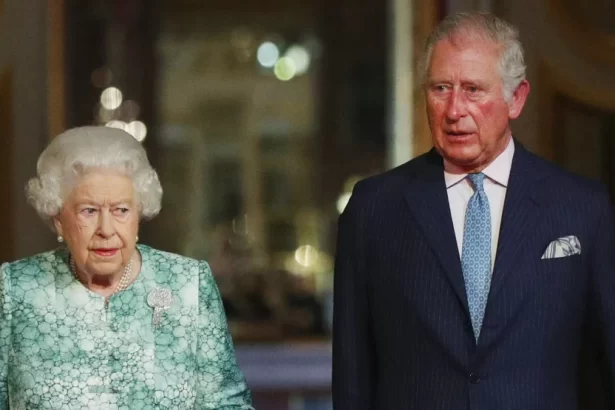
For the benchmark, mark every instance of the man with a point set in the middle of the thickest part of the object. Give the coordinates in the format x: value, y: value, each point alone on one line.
x: 467, y: 277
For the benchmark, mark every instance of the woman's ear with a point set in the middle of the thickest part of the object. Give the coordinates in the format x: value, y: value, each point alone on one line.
x: 58, y: 225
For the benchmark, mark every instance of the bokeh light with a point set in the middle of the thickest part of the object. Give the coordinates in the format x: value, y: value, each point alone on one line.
x: 301, y: 57
x: 111, y: 98
x: 267, y: 54
x: 285, y: 69
x: 137, y: 129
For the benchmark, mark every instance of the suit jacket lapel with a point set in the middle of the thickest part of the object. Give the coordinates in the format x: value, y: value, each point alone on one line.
x: 426, y: 195
x: 521, y: 214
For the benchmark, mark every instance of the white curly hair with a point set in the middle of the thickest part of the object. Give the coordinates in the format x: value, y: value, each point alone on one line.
x: 487, y: 26
x: 78, y: 151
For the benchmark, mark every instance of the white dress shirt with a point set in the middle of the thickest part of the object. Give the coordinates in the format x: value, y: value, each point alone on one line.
x: 459, y: 190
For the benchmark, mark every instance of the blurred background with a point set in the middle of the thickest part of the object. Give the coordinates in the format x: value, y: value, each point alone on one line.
x: 259, y: 117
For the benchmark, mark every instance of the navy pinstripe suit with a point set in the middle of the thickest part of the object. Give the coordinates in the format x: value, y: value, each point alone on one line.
x: 402, y: 335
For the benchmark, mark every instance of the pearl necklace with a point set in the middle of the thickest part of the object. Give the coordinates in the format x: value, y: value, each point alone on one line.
x: 121, y: 285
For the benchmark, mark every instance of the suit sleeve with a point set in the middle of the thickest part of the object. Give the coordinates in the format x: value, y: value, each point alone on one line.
x: 602, y: 313
x: 5, y: 335
x: 353, y: 358
x: 220, y: 382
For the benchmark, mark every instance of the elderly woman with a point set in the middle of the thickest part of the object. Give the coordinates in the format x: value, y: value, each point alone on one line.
x: 105, y: 322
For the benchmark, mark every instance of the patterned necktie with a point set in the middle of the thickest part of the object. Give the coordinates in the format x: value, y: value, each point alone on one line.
x: 476, y: 252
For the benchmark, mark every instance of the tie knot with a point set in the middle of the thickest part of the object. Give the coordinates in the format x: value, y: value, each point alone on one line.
x: 477, y: 181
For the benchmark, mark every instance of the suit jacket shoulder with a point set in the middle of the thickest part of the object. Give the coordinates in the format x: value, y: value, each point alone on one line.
x: 558, y: 185
x: 391, y: 183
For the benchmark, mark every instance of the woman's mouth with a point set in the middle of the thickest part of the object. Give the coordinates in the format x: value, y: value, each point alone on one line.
x: 106, y: 252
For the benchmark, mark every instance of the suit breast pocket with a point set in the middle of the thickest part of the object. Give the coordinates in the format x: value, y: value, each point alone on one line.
x: 563, y: 281
x: 563, y: 264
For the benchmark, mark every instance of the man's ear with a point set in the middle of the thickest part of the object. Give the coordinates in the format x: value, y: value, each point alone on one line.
x: 517, y: 101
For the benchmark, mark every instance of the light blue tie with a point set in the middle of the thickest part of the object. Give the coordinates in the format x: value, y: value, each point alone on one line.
x: 476, y: 252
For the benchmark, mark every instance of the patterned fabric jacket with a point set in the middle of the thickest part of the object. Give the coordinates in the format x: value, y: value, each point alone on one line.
x: 60, y: 348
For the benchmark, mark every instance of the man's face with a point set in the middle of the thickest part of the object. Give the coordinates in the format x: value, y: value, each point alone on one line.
x: 467, y: 111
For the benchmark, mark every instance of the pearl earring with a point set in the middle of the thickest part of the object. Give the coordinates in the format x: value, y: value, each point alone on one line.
x: 60, y: 239
x: 137, y: 239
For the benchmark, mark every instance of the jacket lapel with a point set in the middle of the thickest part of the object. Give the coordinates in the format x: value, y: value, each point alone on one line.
x: 428, y: 201
x: 522, y: 210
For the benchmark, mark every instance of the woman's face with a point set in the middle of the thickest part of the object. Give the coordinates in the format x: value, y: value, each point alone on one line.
x: 99, y: 221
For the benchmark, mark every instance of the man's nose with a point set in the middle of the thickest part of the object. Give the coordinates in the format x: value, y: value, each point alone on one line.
x: 455, y: 108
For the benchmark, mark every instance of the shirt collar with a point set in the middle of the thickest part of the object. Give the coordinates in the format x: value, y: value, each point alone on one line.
x: 498, y: 171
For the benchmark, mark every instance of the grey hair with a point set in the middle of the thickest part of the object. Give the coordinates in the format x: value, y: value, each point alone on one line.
x: 78, y: 151
x: 488, y: 27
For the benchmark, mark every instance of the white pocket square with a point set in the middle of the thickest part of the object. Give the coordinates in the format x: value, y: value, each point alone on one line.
x: 562, y: 247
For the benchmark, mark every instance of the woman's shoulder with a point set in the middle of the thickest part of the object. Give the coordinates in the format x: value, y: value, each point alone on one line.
x: 39, y: 269
x: 162, y: 259
x: 177, y: 272
x: 42, y: 262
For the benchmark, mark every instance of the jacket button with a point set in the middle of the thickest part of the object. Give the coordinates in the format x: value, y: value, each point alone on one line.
x: 473, y: 377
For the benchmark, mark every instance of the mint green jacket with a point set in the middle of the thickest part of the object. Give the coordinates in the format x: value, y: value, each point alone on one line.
x: 60, y: 348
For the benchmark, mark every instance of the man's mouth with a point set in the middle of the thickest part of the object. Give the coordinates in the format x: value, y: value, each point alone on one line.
x: 458, y: 133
